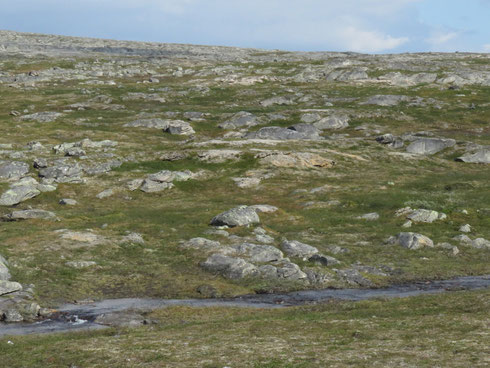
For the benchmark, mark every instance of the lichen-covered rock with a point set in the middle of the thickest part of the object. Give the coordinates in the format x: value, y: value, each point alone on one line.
x: 229, y: 267
x: 13, y: 169
x: 238, y: 216
x: 295, y: 248
x: 30, y: 214
x: 411, y: 241
x: 429, y: 146
x: 7, y: 287
x: 258, y: 252
x: 480, y: 157
x: 427, y: 216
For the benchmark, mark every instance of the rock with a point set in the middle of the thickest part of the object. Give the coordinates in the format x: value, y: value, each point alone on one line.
x: 480, y: 243
x: 12, y: 316
x: 208, y: 291
x: 238, y: 216
x: 203, y: 244
x: 42, y: 117
x: 429, y: 146
x: 81, y: 264
x: 219, y: 156
x: 148, y: 123
x: 20, y: 191
x: 295, y: 160
x: 68, y: 202
x: 174, y: 156
x: 151, y: 186
x: 373, y: 216
x: 247, y: 182
x: 323, y: 260
x: 332, y: 122
x: 134, y: 238
x: 283, y: 270
x: 13, y: 170
x: 241, y: 119
x: 480, y: 157
x: 135, y: 184
x: 122, y: 319
x: 390, y: 140
x: 167, y: 176
x: 179, y: 127
x: 105, y: 194
x: 40, y: 163
x: 295, y: 248
x: 264, y: 208
x: 229, y: 267
x: 310, y: 118
x: 30, y: 214
x: 353, y: 277
x: 411, y: 241
x: 463, y: 239
x: 386, y: 100
x: 465, y: 228
x: 258, y: 252
x: 298, y: 132
x: 8, y: 287
x: 427, y: 216
x: 82, y: 237
x: 407, y: 224
x: 63, y: 172
x: 4, y: 271
x: 277, y: 101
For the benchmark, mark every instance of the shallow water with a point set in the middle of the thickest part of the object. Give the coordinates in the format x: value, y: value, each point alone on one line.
x: 73, y: 317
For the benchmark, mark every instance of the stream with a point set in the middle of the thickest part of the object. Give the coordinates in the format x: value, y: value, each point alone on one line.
x: 72, y: 317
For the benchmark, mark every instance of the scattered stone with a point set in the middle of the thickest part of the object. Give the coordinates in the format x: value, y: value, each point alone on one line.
x: 240, y: 120
x: 105, y: 194
x: 386, y: 100
x: 298, y: 132
x: 353, y: 277
x: 42, y: 117
x: 373, y: 216
x: 30, y: 214
x: 13, y: 170
x: 68, y: 202
x: 264, y: 208
x: 219, y: 156
x: 229, y: 267
x: 122, y: 319
x: 323, y: 260
x: 238, y: 216
x: 20, y: 191
x: 429, y: 146
x: 427, y: 216
x: 411, y: 241
x: 277, y: 101
x: 8, y: 287
x: 295, y: 248
x: 465, y: 228
x: 81, y: 264
x: 295, y: 160
x: 480, y: 157
x: 332, y: 122
x: 134, y: 238
x: 390, y: 140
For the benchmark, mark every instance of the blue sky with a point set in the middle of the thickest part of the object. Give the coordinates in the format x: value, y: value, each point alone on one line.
x: 372, y: 26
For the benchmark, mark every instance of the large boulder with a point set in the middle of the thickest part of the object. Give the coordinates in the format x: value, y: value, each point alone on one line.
x: 8, y: 287
x: 30, y: 214
x: 332, y: 122
x: 258, y: 252
x: 229, y: 267
x: 20, y: 191
x: 427, y: 216
x: 238, y: 216
x: 241, y: 119
x: 430, y: 146
x: 411, y: 241
x: 479, y: 157
x: 13, y: 169
x: 295, y: 248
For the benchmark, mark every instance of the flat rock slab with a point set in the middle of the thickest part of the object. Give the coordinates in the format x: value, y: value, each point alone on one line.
x: 479, y: 157
x: 429, y: 146
x: 30, y: 214
x: 7, y: 287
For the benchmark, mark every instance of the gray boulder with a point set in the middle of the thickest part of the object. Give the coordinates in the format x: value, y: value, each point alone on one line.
x: 241, y: 119
x: 479, y: 157
x: 42, y: 117
x: 411, y: 241
x: 8, y: 287
x: 299, y: 131
x: 386, y: 100
x: 390, y: 140
x: 295, y: 248
x: 310, y: 118
x: 63, y: 171
x: 480, y: 243
x: 20, y: 191
x: 332, y: 122
x: 373, y: 216
x: 238, y: 216
x: 258, y: 252
x: 13, y: 169
x: 427, y: 216
x: 277, y: 101
x: 30, y: 214
x: 323, y: 260
x: 153, y: 186
x: 430, y: 146
x: 229, y: 267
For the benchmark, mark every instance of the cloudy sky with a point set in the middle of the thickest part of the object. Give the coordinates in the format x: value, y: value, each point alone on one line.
x: 373, y: 26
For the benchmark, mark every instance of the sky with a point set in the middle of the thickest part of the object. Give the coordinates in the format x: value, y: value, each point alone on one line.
x: 369, y: 26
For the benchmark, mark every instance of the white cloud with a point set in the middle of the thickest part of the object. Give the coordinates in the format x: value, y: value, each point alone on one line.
x: 440, y: 38
x: 355, y: 39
